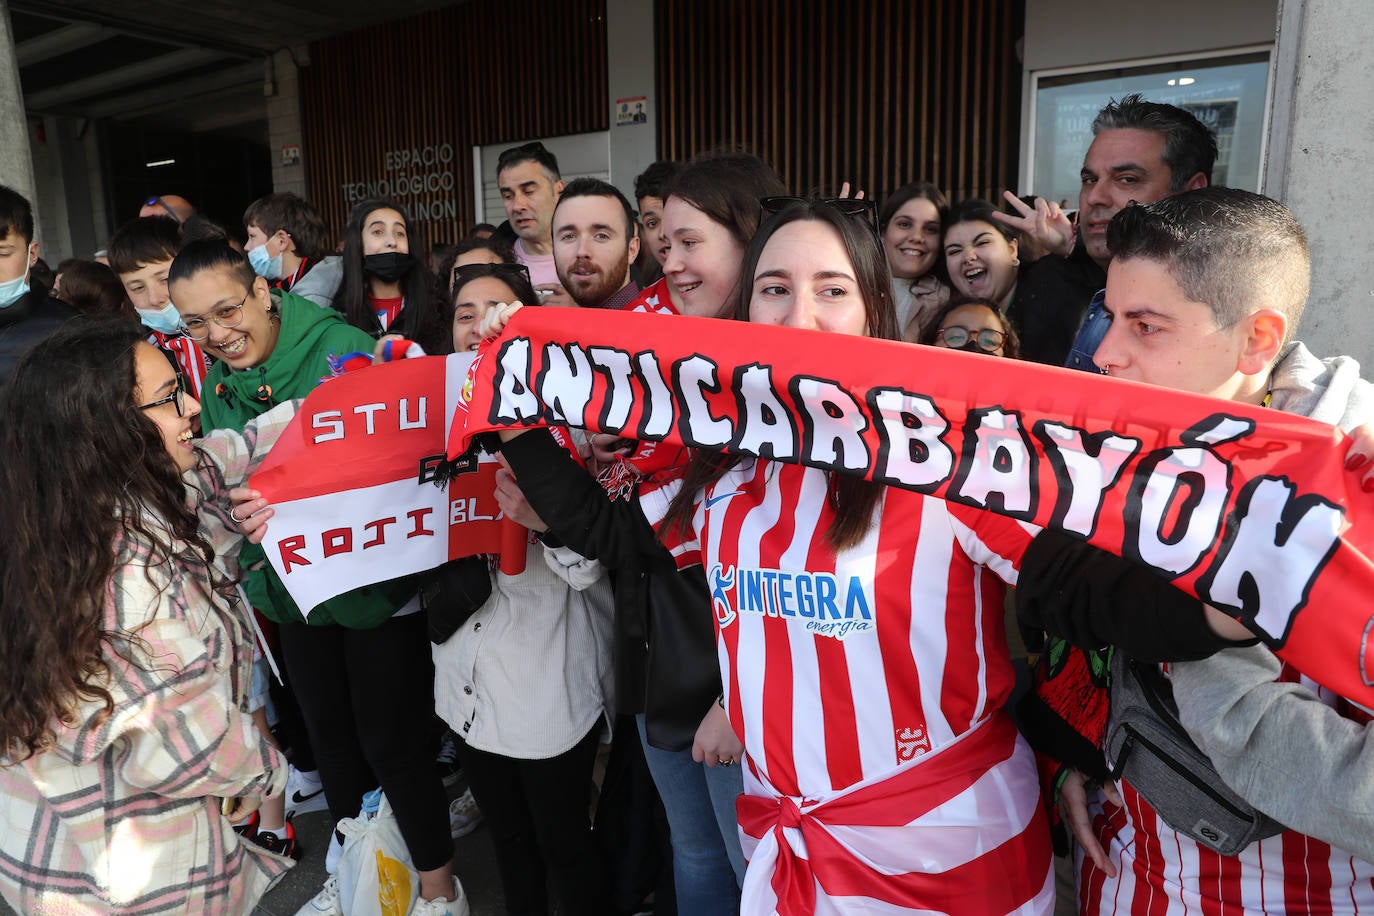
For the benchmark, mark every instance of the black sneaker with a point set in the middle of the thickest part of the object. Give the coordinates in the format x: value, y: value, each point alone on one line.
x: 249, y: 827
x: 282, y: 843
x: 447, y: 760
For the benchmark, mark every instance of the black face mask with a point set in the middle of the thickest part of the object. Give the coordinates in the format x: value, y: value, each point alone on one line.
x: 972, y: 347
x: 389, y: 265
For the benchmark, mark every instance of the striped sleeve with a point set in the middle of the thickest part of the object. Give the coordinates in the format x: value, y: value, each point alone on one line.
x: 992, y: 540
x: 190, y: 359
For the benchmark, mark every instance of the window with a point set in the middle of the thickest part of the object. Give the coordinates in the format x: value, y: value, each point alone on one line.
x: 1226, y: 92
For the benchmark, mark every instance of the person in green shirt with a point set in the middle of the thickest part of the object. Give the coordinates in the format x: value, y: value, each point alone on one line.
x: 360, y: 665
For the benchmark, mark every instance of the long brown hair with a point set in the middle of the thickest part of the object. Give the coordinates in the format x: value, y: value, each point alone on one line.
x: 853, y: 498
x: 84, y: 468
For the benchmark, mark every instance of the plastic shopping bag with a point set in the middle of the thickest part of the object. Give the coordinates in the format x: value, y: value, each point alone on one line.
x: 376, y: 875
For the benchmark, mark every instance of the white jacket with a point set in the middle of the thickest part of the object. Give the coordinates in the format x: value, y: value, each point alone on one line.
x: 530, y: 673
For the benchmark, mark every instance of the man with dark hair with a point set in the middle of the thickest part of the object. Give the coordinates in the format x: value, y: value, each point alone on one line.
x: 1141, y: 151
x: 289, y: 247
x: 530, y: 185
x: 1203, y: 295
x: 594, y: 241
x: 27, y: 312
x: 141, y: 254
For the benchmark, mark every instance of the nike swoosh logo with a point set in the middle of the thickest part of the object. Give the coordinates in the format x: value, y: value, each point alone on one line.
x: 297, y: 797
x: 722, y: 497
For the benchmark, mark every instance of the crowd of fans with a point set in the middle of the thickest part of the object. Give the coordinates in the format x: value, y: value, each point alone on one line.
x: 167, y: 709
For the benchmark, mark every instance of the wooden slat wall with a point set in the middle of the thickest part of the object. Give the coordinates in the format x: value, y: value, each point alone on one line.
x: 472, y: 74
x: 879, y: 92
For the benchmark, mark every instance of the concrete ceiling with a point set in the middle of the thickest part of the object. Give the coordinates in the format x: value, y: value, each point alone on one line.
x: 198, y: 65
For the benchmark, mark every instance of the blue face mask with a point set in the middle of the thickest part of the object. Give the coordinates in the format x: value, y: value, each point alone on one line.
x: 166, y: 320
x: 264, y: 265
x: 11, y: 291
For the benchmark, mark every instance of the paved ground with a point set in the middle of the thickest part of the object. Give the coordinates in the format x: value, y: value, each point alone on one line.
x: 473, y: 860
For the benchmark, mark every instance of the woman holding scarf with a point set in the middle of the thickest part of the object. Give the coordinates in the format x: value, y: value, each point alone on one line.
x: 666, y: 670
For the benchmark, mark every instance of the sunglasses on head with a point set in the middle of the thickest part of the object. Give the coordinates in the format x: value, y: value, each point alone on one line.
x: 466, y: 273
x: 865, y: 209
x: 159, y: 202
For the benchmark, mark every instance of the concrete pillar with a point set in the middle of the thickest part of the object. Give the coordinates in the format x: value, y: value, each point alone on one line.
x: 630, y: 75
x: 49, y: 198
x: 284, y: 121
x: 16, y: 163
x: 1321, y: 133
x: 94, y: 180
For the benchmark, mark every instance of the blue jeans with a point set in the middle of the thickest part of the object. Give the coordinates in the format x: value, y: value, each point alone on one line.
x: 708, y: 864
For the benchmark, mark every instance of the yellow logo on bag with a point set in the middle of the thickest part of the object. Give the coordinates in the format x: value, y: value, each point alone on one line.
x: 393, y: 885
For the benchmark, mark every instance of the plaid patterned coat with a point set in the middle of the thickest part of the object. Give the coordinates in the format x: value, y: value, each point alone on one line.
x: 124, y: 815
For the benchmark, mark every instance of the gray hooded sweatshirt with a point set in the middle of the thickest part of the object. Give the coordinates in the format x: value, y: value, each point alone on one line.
x: 1276, y: 744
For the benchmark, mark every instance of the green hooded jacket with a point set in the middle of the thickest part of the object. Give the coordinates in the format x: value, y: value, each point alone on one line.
x: 309, y: 336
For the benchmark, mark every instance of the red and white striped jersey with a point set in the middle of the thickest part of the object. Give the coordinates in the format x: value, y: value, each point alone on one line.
x: 191, y: 360
x: 845, y: 671
x: 653, y: 298
x: 1161, y: 872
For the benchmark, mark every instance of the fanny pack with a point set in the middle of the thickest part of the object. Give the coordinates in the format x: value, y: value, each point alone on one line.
x: 452, y: 593
x: 1151, y: 750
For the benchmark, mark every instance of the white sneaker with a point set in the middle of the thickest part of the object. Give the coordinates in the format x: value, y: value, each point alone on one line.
x: 333, y: 853
x: 463, y: 815
x: 326, y: 902
x: 304, y: 792
x: 455, y: 907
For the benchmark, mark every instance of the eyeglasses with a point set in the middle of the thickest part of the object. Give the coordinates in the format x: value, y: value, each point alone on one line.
x: 987, y: 339
x: 177, y: 397
x: 159, y: 202
x: 466, y: 273
x: 226, y: 316
x: 861, y: 207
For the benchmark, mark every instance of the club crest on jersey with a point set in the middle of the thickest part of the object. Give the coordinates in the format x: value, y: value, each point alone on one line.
x: 465, y: 393
x: 911, y: 743
x: 825, y: 604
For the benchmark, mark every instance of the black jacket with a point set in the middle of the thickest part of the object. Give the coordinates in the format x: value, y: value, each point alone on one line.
x: 665, y: 640
x: 1052, y: 295
x: 26, y: 322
